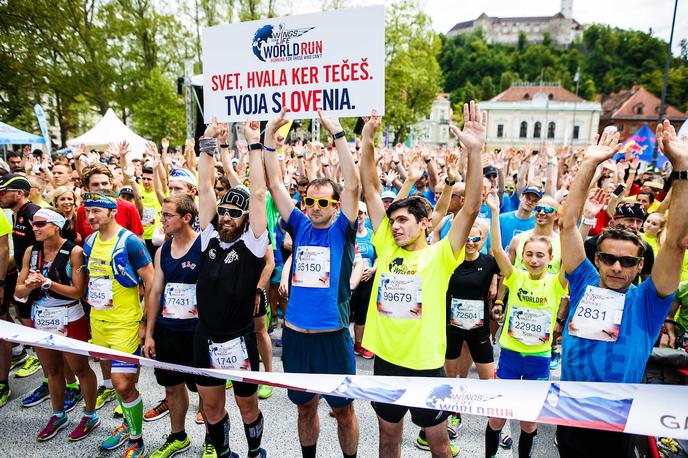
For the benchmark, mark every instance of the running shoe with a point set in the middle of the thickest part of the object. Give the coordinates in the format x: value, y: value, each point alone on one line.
x: 29, y: 368
x: 84, y: 428
x: 104, y: 395
x: 4, y: 393
x: 117, y: 413
x: 55, y: 424
x: 229, y: 385
x: 362, y: 352
x: 505, y: 440
x: 278, y: 342
x: 556, y: 360
x: 422, y: 443
x: 264, y: 391
x: 208, y: 449
x: 72, y: 398
x: 119, y: 436
x: 262, y: 453
x: 18, y: 360
x: 453, y: 426
x: 37, y: 396
x: 199, y: 418
x: 171, y: 447
x: 157, y: 412
x: 136, y: 449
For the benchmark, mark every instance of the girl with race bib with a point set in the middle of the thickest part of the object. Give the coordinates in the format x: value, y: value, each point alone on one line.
x: 526, y: 338
x: 52, y: 278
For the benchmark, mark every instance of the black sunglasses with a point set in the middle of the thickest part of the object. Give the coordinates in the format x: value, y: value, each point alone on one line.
x: 625, y: 261
x: 232, y: 212
x: 40, y: 224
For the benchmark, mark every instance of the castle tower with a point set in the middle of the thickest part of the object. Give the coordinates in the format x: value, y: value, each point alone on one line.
x: 567, y: 8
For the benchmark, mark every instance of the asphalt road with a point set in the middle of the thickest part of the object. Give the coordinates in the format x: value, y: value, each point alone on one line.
x: 19, y: 426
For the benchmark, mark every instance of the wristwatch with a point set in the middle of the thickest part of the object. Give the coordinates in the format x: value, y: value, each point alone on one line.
x: 47, y: 285
x: 679, y: 175
x: 339, y: 134
x: 253, y: 146
x: 448, y: 182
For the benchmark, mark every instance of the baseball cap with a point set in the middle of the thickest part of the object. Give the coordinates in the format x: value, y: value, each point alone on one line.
x: 126, y: 190
x: 236, y: 196
x: 388, y: 195
x: 490, y: 170
x: 533, y: 190
x: 362, y: 207
x: 14, y: 182
x: 629, y: 210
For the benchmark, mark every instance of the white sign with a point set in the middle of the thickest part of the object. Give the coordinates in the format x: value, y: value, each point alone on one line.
x: 333, y: 61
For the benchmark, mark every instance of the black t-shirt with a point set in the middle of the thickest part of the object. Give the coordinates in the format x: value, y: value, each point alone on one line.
x: 649, y: 256
x: 22, y: 231
x: 472, y: 280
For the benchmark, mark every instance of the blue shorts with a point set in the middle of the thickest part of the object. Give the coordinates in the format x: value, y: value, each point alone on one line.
x: 515, y: 366
x: 319, y: 353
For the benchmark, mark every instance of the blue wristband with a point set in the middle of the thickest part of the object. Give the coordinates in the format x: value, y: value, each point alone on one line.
x: 267, y: 148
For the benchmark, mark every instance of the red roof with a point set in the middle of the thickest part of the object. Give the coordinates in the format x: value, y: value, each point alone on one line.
x: 524, y: 93
x: 637, y: 103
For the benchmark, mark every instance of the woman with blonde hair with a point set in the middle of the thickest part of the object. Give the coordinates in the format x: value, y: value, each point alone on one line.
x: 66, y: 201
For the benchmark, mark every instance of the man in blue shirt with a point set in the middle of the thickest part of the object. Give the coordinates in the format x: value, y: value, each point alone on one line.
x: 316, y: 335
x: 611, y: 325
x: 522, y: 219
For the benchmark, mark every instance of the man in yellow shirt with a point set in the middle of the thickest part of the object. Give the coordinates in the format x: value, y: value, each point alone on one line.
x: 151, y: 209
x: 406, y: 321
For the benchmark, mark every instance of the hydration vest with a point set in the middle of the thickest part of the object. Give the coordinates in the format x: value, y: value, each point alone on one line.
x: 57, y: 271
x: 122, y: 270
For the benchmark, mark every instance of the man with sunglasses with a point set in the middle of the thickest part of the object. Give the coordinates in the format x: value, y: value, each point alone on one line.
x: 234, y: 241
x: 612, y: 325
x: 406, y: 322
x: 546, y: 212
x: 316, y: 335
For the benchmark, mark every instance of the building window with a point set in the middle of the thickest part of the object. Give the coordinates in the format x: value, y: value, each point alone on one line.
x: 537, y: 129
x: 523, y: 133
x: 500, y: 130
x: 576, y: 132
x: 550, y: 130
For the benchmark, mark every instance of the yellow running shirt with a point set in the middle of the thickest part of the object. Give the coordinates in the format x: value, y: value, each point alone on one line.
x: 109, y: 300
x: 531, y: 313
x: 406, y: 323
x: 151, y: 216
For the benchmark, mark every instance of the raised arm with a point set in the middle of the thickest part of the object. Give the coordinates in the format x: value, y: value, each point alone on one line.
x: 257, y: 216
x: 667, y: 267
x: 502, y: 258
x: 273, y: 172
x: 451, y: 162
x: 369, y: 179
x: 473, y: 138
x: 128, y: 173
x: 552, y: 169
x: 413, y: 174
x: 227, y: 160
x: 352, y: 179
x: 572, y: 249
x: 208, y: 145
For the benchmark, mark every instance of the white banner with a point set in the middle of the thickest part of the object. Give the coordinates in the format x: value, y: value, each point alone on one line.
x: 653, y: 410
x: 332, y: 61
x: 40, y: 116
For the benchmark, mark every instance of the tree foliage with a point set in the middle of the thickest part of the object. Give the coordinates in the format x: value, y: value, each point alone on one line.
x: 609, y: 59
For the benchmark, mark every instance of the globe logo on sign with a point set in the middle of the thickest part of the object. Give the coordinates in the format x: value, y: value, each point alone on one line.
x: 260, y: 39
x: 274, y: 44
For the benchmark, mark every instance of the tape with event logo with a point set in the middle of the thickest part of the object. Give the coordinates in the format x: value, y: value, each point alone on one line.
x: 653, y: 410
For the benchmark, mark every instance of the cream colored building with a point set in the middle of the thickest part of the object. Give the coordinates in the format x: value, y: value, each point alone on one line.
x: 539, y: 112
x: 434, y: 129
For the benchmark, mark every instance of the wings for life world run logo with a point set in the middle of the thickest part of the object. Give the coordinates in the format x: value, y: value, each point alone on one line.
x: 279, y: 44
x: 453, y: 398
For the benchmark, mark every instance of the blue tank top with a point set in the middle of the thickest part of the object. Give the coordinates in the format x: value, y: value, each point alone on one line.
x: 182, y: 270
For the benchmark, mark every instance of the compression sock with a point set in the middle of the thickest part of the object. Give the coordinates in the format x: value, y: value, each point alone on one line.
x: 219, y: 436
x: 349, y: 456
x: 133, y: 412
x: 308, y: 451
x: 254, y: 434
x: 526, y: 443
x: 491, y: 441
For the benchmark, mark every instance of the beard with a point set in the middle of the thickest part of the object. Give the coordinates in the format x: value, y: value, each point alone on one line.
x: 231, y: 233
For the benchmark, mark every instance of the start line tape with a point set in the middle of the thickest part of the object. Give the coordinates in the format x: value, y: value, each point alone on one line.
x: 651, y: 410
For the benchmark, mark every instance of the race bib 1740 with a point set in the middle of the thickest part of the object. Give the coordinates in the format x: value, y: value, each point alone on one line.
x: 312, y: 267
x: 180, y: 301
x: 530, y: 326
x: 598, y: 315
x: 229, y: 355
x: 400, y: 296
x: 467, y: 313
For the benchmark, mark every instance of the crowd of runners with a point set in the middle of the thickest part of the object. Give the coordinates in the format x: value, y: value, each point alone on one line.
x: 424, y: 259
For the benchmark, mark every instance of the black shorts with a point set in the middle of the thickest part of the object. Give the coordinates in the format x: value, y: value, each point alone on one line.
x: 479, y: 344
x: 202, y: 360
x: 424, y: 418
x: 151, y: 248
x: 359, y: 301
x: 174, y: 347
x: 591, y: 443
x: 10, y: 284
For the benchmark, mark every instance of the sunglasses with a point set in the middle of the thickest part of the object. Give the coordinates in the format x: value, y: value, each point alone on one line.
x: 544, y: 209
x: 322, y: 203
x: 218, y: 189
x: 40, y: 224
x: 474, y: 239
x: 625, y: 261
x: 509, y: 188
x: 232, y: 212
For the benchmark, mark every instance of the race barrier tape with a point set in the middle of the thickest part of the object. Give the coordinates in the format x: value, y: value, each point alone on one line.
x: 653, y: 410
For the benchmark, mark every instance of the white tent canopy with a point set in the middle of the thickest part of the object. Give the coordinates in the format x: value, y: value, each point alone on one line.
x: 111, y: 130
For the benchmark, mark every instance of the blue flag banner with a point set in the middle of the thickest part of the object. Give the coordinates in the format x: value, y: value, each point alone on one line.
x: 642, y: 144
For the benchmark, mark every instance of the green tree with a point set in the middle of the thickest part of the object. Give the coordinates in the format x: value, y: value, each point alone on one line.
x: 487, y: 88
x: 160, y: 112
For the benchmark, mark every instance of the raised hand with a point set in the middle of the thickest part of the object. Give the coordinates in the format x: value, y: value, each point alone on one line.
x: 451, y: 162
x: 603, y: 147
x: 550, y: 151
x: 251, y: 132
x: 415, y: 168
x: 213, y: 129
x: 474, y: 127
x: 165, y: 143
x: 671, y: 146
x: 492, y: 200
x: 372, y: 124
x: 331, y: 124
x: 595, y: 203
